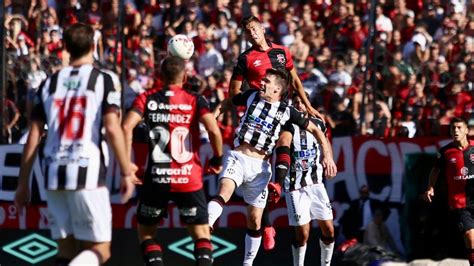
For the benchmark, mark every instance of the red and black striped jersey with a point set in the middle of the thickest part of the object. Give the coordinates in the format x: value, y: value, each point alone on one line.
x: 172, y: 117
x: 458, y: 168
x: 253, y: 64
x: 72, y: 103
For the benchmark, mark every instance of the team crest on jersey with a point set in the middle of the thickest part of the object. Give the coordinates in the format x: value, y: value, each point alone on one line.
x: 279, y: 115
x: 471, y: 157
x: 281, y: 59
x: 152, y: 105
x: 464, y: 171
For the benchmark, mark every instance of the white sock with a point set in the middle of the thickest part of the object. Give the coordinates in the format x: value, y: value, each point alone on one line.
x: 215, y: 210
x: 86, y: 257
x: 326, y: 253
x: 252, y: 244
x: 298, y: 255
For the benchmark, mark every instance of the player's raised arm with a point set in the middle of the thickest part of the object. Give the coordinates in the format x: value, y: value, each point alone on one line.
x: 328, y: 161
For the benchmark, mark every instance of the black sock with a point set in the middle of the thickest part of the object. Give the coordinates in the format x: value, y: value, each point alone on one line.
x: 266, y: 218
x: 62, y: 261
x: 151, y: 252
x: 203, y: 252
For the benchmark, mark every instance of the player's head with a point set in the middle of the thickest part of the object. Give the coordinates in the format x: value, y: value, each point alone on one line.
x: 253, y: 29
x: 274, y: 86
x: 172, y: 70
x: 79, y: 40
x: 458, y: 128
x: 298, y: 103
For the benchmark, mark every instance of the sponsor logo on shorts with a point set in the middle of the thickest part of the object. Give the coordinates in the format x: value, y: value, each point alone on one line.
x: 297, y: 217
x: 188, y: 211
x: 149, y: 211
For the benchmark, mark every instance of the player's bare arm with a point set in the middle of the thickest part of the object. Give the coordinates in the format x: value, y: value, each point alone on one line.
x: 298, y: 86
x: 429, y: 193
x: 215, y: 137
x: 226, y: 104
x: 330, y: 168
x: 116, y: 140
x: 22, y: 194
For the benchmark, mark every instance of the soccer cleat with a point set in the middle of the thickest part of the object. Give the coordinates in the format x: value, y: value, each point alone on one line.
x: 269, y: 238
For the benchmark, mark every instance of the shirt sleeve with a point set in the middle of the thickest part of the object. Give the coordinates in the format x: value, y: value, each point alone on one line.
x: 203, y: 106
x: 140, y: 103
x: 289, y: 60
x: 112, y: 97
x: 288, y: 127
x: 319, y: 123
x: 38, y: 113
x: 298, y: 118
x: 241, y: 98
x: 240, y: 68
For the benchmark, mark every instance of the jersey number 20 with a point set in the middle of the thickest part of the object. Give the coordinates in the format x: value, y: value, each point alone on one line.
x: 180, y: 146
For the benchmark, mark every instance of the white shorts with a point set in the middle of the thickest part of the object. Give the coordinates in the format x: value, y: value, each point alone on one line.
x: 84, y: 213
x: 308, y: 203
x: 250, y: 174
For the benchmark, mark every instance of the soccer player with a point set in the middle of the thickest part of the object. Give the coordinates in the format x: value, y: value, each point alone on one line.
x: 253, y: 63
x: 247, y: 166
x: 305, y: 194
x: 172, y: 115
x: 75, y: 103
x: 251, y: 66
x: 455, y: 162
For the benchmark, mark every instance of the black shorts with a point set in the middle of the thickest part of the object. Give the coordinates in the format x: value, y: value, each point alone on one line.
x: 465, y: 219
x: 153, y: 205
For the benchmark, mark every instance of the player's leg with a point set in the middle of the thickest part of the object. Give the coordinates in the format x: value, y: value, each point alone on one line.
x: 468, y: 226
x: 321, y: 210
x: 193, y: 212
x: 268, y: 231
x: 327, y: 241
x: 298, y: 247
x: 60, y: 226
x: 92, y: 225
x: 253, y: 238
x: 298, y: 203
x: 150, y: 210
x: 231, y: 177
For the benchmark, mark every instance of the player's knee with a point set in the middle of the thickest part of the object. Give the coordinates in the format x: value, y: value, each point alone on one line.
x: 327, y: 239
x: 254, y: 221
x: 300, y: 239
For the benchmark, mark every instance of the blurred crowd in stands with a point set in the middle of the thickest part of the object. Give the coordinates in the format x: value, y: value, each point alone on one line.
x: 419, y: 73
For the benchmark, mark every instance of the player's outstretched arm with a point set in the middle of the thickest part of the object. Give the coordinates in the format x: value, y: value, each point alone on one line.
x: 226, y: 104
x: 429, y: 193
x: 298, y: 86
x: 328, y: 161
x: 210, y: 123
x: 22, y: 193
x: 116, y: 140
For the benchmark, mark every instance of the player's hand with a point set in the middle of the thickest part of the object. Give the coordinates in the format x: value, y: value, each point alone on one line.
x: 22, y: 197
x: 429, y: 194
x: 314, y: 112
x: 330, y: 168
x: 135, y: 179
x: 215, y: 165
x: 127, y: 186
x: 274, y: 192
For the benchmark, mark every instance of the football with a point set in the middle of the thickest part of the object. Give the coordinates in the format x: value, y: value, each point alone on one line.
x: 180, y: 45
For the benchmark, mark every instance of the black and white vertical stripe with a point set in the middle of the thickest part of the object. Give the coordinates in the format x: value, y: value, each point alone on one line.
x: 79, y: 163
x: 306, y: 160
x: 260, y: 126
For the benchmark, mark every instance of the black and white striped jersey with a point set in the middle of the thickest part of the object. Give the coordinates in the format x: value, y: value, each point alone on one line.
x: 72, y: 102
x: 306, y: 160
x: 261, y: 124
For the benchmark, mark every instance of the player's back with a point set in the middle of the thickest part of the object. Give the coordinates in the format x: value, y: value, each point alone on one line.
x: 73, y: 101
x: 172, y: 117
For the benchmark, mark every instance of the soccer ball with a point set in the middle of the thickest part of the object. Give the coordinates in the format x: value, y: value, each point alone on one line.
x: 181, y: 46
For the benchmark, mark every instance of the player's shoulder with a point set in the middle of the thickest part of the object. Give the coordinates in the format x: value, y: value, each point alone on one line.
x: 446, y: 147
x: 278, y: 46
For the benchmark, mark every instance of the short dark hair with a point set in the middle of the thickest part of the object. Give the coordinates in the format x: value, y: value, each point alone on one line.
x: 281, y: 79
x: 79, y: 40
x: 457, y: 120
x: 172, y: 69
x: 248, y: 19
